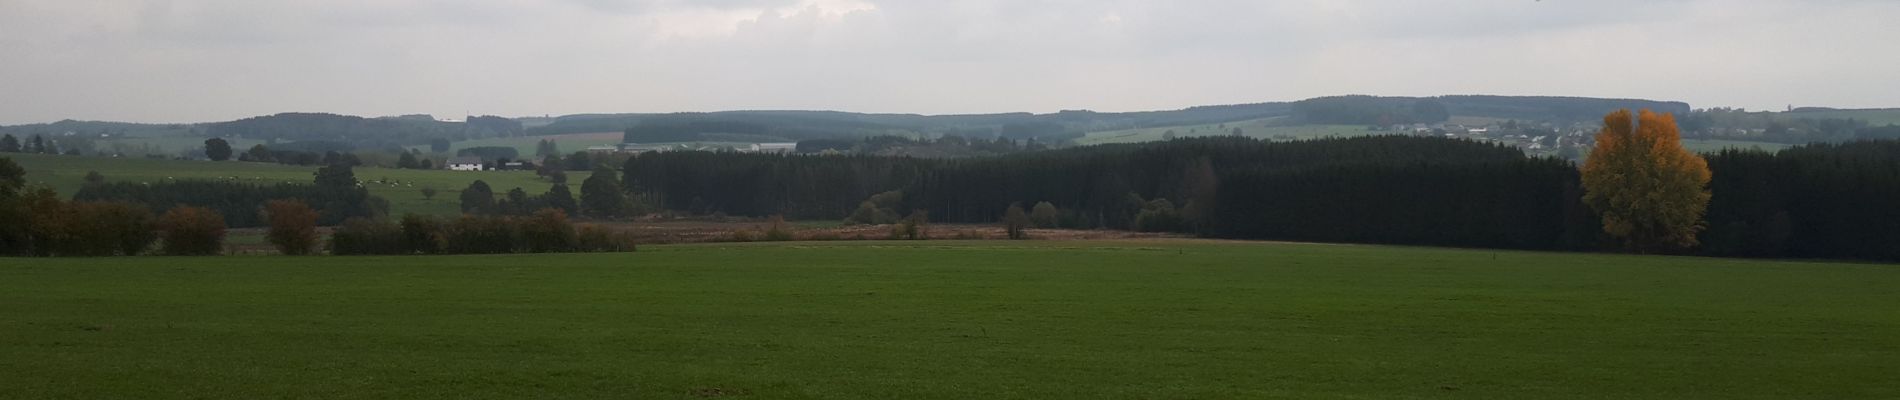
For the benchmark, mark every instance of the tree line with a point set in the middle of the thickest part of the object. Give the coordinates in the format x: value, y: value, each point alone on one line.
x: 1830, y: 201
x: 334, y: 192
x: 1823, y: 200
x: 35, y: 222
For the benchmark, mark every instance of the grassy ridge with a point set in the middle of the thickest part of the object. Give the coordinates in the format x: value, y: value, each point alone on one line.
x: 67, y: 174
x: 950, y: 320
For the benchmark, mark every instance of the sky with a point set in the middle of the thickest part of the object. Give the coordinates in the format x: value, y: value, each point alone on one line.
x: 214, y: 60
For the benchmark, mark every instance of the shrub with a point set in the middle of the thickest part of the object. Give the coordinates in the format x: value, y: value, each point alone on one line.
x: 191, y: 231
x: 777, y: 230
x: 1160, y: 216
x: 1016, y: 222
x: 877, y: 210
x: 547, y: 231
x: 473, y: 234
x: 129, y: 228
x: 1044, y: 215
x: 421, y: 234
x: 293, y: 226
x: 744, y: 235
x: 595, y: 238
x: 87, y: 229
x: 916, y: 226
x: 363, y: 236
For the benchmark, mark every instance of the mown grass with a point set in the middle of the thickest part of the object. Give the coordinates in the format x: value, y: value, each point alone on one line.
x: 952, y: 320
x: 402, y: 187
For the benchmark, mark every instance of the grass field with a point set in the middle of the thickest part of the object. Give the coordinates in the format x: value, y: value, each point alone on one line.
x: 1713, y: 145
x: 952, y: 320
x: 525, y: 145
x: 67, y: 174
x: 1875, y: 117
x: 1266, y: 128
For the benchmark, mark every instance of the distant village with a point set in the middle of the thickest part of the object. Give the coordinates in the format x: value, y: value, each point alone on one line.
x: 1568, y: 141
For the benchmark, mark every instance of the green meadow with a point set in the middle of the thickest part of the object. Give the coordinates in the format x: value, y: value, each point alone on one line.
x: 402, y: 187
x: 952, y: 320
x: 525, y: 145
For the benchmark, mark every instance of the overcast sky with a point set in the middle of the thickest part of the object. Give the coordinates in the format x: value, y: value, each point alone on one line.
x: 207, y: 60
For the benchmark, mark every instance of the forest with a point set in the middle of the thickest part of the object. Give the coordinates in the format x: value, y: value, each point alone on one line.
x: 1825, y: 201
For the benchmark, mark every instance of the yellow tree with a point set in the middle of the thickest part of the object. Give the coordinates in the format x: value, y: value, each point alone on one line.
x: 1650, y: 191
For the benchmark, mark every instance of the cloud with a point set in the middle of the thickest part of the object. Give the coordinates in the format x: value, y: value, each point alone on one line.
x: 189, y: 60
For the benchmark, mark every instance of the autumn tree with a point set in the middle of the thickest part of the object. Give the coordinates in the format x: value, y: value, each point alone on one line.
x: 1650, y: 192
x: 293, y: 226
x: 191, y: 231
x: 421, y: 234
x: 547, y: 231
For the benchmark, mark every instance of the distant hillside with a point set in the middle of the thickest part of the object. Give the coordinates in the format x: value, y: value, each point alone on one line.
x: 794, y: 125
x: 1548, y: 108
x: 363, y: 132
x: 1374, y: 110
x: 101, y: 129
x: 1873, y: 116
x: 800, y: 125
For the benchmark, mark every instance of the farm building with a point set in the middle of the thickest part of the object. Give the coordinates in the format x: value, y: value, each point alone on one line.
x: 465, y: 164
x: 773, y: 147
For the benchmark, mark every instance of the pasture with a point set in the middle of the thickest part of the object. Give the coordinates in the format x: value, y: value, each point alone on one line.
x: 166, y: 145
x: 952, y: 320
x: 1265, y: 128
x: 525, y: 145
x: 402, y: 187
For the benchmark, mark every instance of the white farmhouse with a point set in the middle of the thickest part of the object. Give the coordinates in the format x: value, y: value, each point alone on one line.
x: 465, y: 164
